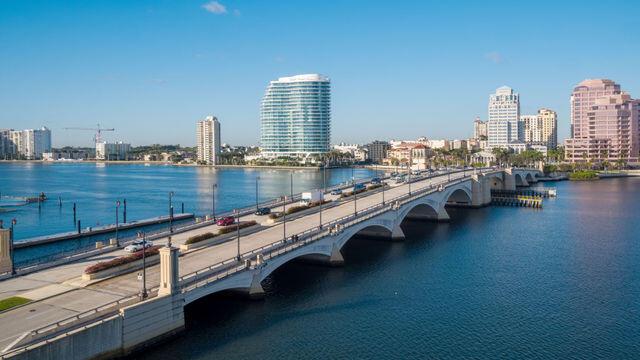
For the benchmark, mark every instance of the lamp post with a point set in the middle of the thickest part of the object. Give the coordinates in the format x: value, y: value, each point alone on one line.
x: 321, y: 201
x: 117, y: 211
x: 355, y: 198
x: 284, y: 218
x: 257, y: 178
x: 237, y: 214
x: 170, y: 212
x: 291, y: 184
x: 324, y: 177
x: 213, y: 200
x: 11, y: 250
x: 143, y: 235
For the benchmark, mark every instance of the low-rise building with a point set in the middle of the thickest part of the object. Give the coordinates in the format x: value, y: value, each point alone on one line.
x: 112, y: 151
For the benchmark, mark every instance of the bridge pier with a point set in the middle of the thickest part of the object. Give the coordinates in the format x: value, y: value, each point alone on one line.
x: 397, y: 234
x: 509, y: 179
x: 256, y: 291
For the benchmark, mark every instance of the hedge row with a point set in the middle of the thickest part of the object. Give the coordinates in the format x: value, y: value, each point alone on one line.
x: 230, y: 228
x: 297, y: 208
x: 347, y: 194
x: 202, y: 237
x: 104, y: 265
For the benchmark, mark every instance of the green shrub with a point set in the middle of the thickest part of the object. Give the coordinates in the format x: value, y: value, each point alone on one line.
x: 296, y: 208
x: 583, y: 175
x: 200, y: 237
x: 233, y: 227
x: 104, y: 265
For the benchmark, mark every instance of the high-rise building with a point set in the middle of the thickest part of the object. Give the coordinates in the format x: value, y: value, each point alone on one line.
x: 208, y: 140
x: 26, y: 144
x: 541, y: 129
x: 296, y: 116
x: 377, y: 151
x: 604, y: 123
x: 479, y: 129
x: 504, y: 114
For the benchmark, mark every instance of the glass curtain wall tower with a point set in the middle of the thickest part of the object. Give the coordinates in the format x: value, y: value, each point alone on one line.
x: 296, y: 117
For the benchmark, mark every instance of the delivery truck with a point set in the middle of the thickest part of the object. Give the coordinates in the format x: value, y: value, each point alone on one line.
x: 311, y: 197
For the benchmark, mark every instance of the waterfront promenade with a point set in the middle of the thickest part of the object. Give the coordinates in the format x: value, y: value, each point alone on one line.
x: 60, y: 292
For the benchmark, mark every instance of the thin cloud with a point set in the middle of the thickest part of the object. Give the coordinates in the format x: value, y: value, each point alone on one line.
x: 494, y: 56
x: 215, y: 7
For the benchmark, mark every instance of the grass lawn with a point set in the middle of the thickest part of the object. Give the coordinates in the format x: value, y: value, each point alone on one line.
x: 13, y: 301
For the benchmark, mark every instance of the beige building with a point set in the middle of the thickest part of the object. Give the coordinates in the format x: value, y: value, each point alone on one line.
x: 208, y: 140
x: 541, y: 129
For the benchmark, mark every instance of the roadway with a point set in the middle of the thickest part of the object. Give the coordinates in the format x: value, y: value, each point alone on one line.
x: 60, y: 292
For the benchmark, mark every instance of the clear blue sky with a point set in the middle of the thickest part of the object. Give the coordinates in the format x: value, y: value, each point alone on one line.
x: 151, y: 69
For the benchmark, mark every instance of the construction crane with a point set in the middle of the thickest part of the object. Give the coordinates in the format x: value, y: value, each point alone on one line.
x: 98, y: 136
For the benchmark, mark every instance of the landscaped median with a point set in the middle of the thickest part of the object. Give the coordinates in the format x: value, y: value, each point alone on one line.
x: 121, y: 264
x: 8, y: 303
x: 211, y: 237
x: 273, y: 217
x: 368, y: 188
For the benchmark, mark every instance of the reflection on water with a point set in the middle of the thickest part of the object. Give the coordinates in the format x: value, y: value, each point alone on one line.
x: 95, y: 188
x: 496, y: 282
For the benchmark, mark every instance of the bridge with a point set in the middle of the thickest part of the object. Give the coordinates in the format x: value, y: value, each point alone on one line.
x: 125, y: 322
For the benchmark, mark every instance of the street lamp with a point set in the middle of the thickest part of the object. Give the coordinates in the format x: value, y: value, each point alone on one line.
x: 355, y: 197
x: 117, y: 211
x: 213, y: 200
x: 291, y: 184
x: 257, y: 178
x: 324, y: 176
x: 284, y: 218
x: 170, y: 212
x: 143, y: 235
x: 237, y: 214
x: 13, y: 263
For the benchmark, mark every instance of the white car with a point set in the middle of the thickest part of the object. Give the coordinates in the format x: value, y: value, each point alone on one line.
x: 138, y: 245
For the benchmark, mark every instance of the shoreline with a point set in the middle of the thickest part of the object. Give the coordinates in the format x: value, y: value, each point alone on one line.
x: 167, y: 163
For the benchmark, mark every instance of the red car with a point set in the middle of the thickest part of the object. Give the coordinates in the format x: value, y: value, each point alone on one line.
x: 225, y: 221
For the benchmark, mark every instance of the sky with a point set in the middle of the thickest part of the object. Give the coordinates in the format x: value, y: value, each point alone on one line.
x: 399, y: 69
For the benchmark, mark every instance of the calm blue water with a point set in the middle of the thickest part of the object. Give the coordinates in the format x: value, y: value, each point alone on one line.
x: 496, y: 282
x: 96, y: 187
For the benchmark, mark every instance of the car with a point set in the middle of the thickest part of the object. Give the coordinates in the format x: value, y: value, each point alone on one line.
x: 138, y: 245
x: 225, y: 221
x: 358, y: 187
x: 399, y: 180
x: 263, y: 211
x: 336, y: 192
x: 375, y: 181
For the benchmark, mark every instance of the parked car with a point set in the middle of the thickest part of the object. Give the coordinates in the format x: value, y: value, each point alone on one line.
x: 399, y: 180
x: 263, y: 211
x: 225, y: 221
x: 138, y: 245
x: 375, y: 181
x: 336, y: 192
x: 358, y: 187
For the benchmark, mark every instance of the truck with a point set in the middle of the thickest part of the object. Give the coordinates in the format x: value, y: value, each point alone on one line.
x: 311, y: 197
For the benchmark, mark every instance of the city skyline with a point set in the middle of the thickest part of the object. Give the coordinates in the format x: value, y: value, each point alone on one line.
x: 224, y: 58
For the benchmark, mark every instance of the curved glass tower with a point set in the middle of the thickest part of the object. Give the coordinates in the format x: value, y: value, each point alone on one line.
x: 296, y: 116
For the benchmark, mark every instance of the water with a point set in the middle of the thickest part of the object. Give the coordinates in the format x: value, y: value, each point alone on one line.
x: 496, y: 282
x: 95, y: 188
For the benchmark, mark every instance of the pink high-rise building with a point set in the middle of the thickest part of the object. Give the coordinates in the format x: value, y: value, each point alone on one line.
x: 604, y: 123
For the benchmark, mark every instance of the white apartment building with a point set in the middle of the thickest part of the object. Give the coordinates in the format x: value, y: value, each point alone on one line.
x: 208, y: 140
x: 112, y: 151
x: 504, y: 114
x: 28, y: 144
x: 479, y: 129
